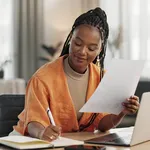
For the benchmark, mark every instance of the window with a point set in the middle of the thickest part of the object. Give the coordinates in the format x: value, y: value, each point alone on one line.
x: 6, y: 36
x: 135, y: 20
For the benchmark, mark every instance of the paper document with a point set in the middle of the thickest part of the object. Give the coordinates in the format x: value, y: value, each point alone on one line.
x: 24, y: 142
x: 119, y: 82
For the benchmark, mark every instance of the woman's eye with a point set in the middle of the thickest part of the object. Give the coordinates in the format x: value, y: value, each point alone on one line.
x: 92, y: 48
x: 77, y: 44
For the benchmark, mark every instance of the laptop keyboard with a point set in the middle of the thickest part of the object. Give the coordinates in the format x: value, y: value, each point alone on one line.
x: 124, y: 139
x: 113, y: 138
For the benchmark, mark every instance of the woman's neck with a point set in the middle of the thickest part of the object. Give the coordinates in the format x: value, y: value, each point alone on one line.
x: 78, y: 70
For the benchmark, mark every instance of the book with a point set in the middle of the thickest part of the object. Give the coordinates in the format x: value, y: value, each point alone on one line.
x: 25, y: 142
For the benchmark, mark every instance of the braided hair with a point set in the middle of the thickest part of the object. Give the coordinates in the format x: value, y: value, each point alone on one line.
x: 96, y: 18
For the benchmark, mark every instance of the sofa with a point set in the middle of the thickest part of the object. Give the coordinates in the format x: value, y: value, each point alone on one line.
x: 10, y: 107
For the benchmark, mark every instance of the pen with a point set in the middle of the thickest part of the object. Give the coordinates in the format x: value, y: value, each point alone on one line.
x: 49, y: 113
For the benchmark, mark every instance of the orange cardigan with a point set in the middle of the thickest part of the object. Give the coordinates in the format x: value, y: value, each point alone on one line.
x: 48, y: 88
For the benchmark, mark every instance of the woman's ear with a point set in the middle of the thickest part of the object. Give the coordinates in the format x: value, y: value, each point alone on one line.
x: 99, y: 52
x: 98, y: 61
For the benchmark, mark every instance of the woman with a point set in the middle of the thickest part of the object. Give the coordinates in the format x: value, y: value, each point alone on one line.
x: 67, y: 83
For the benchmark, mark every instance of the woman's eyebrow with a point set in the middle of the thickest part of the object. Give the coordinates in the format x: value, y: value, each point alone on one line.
x: 78, y: 38
x: 93, y: 44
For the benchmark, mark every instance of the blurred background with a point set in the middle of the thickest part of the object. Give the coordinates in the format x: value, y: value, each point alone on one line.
x: 32, y: 33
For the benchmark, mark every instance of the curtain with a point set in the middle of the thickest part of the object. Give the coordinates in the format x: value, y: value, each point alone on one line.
x: 129, y: 26
x: 6, y: 40
x: 136, y: 32
x: 28, y: 36
x: 113, y: 12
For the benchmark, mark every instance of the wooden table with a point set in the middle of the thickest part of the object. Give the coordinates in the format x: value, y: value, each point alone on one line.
x: 87, y: 135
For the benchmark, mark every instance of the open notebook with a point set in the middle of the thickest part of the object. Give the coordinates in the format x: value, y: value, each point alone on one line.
x: 24, y: 142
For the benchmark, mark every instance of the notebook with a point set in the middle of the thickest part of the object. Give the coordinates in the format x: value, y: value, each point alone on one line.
x: 131, y: 136
x: 24, y: 142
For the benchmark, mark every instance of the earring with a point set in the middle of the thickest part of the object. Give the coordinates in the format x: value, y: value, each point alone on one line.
x: 98, y: 61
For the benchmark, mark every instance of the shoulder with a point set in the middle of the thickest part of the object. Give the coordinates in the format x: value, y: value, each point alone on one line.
x: 49, y: 72
x: 50, y: 68
x: 49, y: 76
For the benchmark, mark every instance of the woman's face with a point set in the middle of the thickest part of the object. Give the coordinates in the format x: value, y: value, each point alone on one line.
x: 84, y: 47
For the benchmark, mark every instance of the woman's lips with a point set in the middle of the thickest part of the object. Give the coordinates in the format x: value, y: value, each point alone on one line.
x: 79, y: 59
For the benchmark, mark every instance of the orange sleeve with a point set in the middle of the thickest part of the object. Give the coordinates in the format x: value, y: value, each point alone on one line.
x: 95, y: 124
x: 36, y: 103
x: 98, y: 118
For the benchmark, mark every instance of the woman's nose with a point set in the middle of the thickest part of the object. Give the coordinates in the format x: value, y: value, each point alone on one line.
x: 83, y: 50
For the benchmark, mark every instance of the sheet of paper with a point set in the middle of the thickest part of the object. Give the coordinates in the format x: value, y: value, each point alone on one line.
x: 119, y: 82
x: 66, y: 142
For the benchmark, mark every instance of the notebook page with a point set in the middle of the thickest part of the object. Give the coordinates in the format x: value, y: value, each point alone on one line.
x: 24, y: 142
x: 66, y: 142
x: 21, y: 139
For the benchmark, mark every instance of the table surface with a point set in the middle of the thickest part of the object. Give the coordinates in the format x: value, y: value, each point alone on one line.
x: 87, y: 135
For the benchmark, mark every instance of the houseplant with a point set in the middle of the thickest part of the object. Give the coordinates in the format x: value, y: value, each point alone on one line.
x: 2, y: 65
x: 50, y: 50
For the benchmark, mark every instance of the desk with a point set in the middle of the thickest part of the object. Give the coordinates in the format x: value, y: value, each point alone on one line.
x: 88, y: 135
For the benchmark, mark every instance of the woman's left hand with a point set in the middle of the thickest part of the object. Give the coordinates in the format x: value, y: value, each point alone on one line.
x: 131, y: 105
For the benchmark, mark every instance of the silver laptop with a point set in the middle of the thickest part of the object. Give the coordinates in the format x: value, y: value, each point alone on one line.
x: 140, y: 132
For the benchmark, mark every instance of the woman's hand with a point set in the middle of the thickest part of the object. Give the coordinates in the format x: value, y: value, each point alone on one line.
x: 50, y: 133
x: 131, y: 105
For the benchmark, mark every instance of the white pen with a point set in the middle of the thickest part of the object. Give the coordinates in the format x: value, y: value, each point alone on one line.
x: 49, y: 113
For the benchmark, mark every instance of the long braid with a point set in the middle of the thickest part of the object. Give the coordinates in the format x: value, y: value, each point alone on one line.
x: 97, y: 18
x: 66, y: 44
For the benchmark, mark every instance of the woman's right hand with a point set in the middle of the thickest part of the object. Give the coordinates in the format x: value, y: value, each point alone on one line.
x: 50, y: 133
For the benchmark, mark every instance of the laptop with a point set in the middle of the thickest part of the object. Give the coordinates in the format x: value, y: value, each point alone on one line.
x: 138, y: 134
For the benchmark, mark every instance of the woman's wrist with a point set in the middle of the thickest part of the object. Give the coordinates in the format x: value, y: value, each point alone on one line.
x: 36, y: 129
x: 116, y: 119
x: 40, y: 133
x: 121, y: 114
x: 112, y: 118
